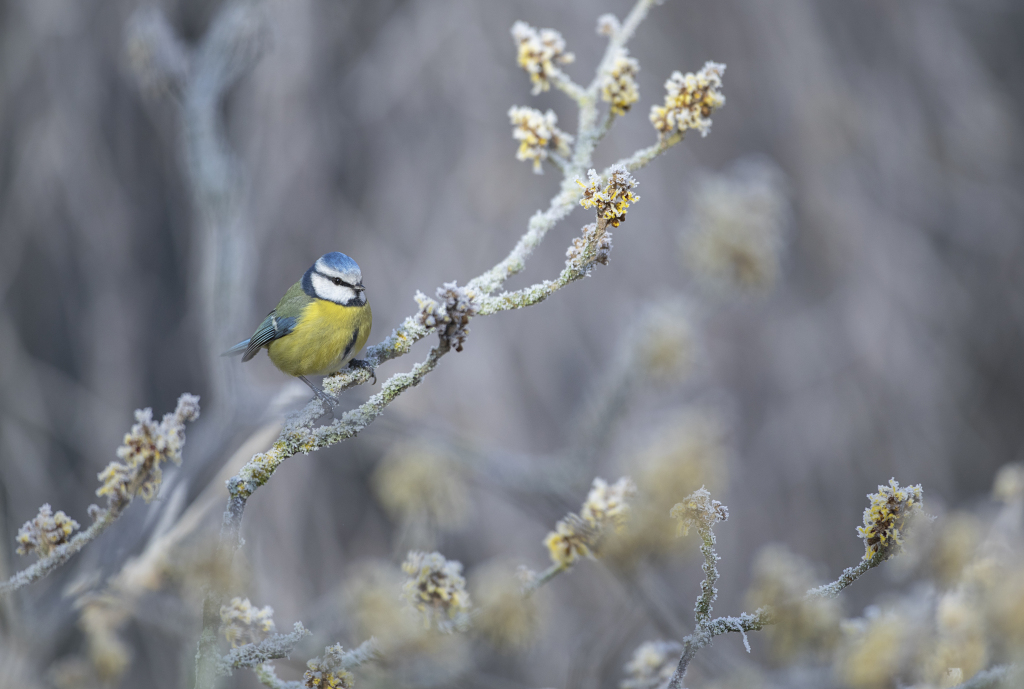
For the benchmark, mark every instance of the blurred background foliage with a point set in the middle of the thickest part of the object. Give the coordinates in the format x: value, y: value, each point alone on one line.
x: 884, y: 341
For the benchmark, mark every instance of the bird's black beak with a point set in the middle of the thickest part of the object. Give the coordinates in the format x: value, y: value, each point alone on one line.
x: 359, y: 287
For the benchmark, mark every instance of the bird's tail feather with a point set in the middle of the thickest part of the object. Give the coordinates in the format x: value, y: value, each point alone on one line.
x: 237, y: 349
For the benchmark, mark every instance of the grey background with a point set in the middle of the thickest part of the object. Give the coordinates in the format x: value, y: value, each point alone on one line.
x: 890, y: 347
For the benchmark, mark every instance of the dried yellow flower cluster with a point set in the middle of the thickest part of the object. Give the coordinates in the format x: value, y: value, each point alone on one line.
x: 414, y: 482
x: 579, y: 535
x: 1009, y: 483
x: 538, y: 135
x: 651, y: 665
x: 732, y: 240
x: 145, y: 447
x: 803, y: 626
x: 242, y: 623
x: 614, y: 198
x: 506, y: 617
x: 688, y: 452
x: 666, y: 346
x: 689, y: 101
x: 885, y: 519
x: 327, y: 672
x: 874, y: 649
x: 538, y: 51
x: 44, y: 533
x: 699, y: 510
x: 375, y: 606
x: 101, y: 617
x: 436, y: 588
x: 618, y: 85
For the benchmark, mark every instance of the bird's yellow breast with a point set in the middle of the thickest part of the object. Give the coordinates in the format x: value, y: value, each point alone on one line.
x: 325, y: 338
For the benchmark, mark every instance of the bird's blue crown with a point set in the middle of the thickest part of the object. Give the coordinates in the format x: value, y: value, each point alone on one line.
x: 331, y: 265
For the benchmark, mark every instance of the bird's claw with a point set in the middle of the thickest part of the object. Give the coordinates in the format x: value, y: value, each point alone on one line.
x: 360, y: 363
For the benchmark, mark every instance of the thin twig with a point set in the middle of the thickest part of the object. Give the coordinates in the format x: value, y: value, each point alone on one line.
x: 64, y: 552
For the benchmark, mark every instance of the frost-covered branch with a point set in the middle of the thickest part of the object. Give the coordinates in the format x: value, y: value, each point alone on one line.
x: 61, y: 553
x: 885, y: 520
x: 273, y: 647
x: 145, y: 447
x: 610, y: 195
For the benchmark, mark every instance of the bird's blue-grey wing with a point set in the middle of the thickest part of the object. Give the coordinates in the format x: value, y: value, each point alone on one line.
x: 270, y: 329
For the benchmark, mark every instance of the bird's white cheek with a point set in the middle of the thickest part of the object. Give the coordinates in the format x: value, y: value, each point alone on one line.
x: 325, y: 289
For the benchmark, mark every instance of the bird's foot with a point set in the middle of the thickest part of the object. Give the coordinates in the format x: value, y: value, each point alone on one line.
x: 330, y: 400
x: 360, y: 363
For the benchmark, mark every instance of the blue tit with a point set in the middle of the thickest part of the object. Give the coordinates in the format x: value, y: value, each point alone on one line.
x: 319, y: 325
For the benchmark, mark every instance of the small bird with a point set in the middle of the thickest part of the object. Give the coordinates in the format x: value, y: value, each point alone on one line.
x: 319, y: 325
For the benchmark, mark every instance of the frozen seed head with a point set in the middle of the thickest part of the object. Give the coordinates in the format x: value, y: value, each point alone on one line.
x: 803, y: 626
x: 689, y: 101
x: 437, y: 589
x: 145, y: 447
x: 451, y: 316
x: 886, y: 518
x: 652, y: 665
x: 581, y: 535
x: 242, y: 623
x: 328, y: 671
x: 44, y: 533
x: 414, y: 482
x: 538, y: 51
x: 608, y: 25
x: 733, y: 233
x: 618, y: 84
x: 1009, y: 483
x: 504, y: 616
x: 538, y: 135
x: 700, y: 511
x: 593, y: 247
x: 611, y: 199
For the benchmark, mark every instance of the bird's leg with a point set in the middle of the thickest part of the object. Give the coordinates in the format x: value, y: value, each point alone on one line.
x: 360, y: 363
x: 319, y: 392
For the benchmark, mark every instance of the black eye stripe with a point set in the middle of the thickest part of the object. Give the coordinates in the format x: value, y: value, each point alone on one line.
x: 334, y: 280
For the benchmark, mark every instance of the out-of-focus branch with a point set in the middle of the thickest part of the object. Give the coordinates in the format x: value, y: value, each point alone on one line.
x: 201, y: 78
x: 145, y: 447
x: 994, y: 678
x: 300, y: 435
x: 63, y: 553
